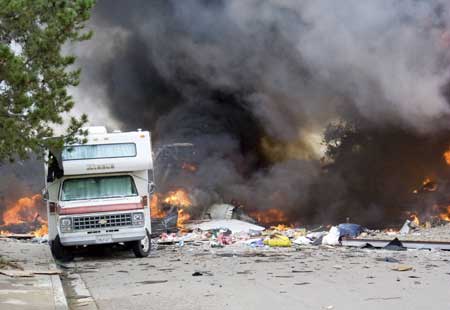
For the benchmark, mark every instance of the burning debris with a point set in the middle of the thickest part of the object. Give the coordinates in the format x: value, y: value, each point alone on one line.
x: 270, y: 217
x: 168, y: 211
x: 22, y: 217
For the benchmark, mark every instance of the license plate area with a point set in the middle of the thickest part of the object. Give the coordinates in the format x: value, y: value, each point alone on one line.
x: 103, y: 239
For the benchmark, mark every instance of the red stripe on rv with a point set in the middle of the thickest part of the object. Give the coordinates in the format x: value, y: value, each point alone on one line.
x: 104, y: 208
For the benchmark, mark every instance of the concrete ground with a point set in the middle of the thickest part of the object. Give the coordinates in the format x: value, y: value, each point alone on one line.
x: 39, y: 292
x: 198, y: 277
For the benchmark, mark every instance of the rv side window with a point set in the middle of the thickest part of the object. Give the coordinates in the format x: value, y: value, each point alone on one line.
x: 98, y: 187
x: 77, y: 152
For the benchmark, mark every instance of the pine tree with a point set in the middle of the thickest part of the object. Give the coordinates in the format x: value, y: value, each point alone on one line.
x: 35, y: 73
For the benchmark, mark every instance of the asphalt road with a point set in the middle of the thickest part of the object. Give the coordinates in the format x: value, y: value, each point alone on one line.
x: 198, y: 277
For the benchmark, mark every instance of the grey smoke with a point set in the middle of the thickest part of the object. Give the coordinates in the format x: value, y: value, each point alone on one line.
x: 224, y: 74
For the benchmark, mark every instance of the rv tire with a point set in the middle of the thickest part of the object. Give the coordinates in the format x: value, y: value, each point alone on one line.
x: 60, y: 252
x: 141, y: 248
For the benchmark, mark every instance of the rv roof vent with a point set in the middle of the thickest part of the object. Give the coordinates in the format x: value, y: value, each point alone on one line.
x: 116, y: 131
x: 139, y: 129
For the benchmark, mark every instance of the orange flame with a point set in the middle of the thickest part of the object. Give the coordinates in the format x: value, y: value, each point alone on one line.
x: 281, y: 227
x: 179, y: 198
x: 189, y: 167
x: 23, y: 211
x: 270, y: 216
x: 42, y: 231
x: 447, y: 157
x: 182, y: 218
x: 415, y: 219
x: 445, y: 216
x: 155, y: 210
x: 428, y: 185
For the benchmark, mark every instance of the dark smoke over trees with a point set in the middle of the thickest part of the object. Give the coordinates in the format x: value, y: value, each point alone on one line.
x: 256, y: 85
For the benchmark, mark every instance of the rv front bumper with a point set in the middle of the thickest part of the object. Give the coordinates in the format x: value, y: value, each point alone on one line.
x: 102, y: 236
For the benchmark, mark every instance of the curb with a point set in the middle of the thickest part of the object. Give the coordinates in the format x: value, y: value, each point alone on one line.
x: 58, y: 293
x: 78, y: 295
x: 59, y: 297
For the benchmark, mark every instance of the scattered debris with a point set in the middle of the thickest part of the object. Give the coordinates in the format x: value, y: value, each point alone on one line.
x: 202, y: 273
x: 402, y: 268
x: 48, y: 272
x: 383, y: 298
x: 28, y: 273
x: 220, y: 233
x: 152, y: 282
x: 406, y: 228
x: 16, y: 273
x: 332, y: 238
x: 226, y: 212
x: 17, y: 236
x: 6, y: 262
x: 233, y: 225
x: 350, y: 230
x: 303, y: 240
x: 302, y: 271
x: 278, y: 240
x: 395, y: 245
x: 302, y: 283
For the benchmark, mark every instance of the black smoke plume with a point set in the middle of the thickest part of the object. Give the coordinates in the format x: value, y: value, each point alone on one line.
x: 255, y: 84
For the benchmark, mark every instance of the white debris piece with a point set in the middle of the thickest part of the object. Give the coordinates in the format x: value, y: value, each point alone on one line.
x: 234, y: 225
x: 302, y: 240
x: 332, y: 238
x: 406, y: 228
x: 220, y: 212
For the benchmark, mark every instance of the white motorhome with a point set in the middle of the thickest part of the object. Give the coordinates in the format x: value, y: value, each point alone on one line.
x: 99, y: 192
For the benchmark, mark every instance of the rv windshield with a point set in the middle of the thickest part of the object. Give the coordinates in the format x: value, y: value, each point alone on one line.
x: 98, y: 187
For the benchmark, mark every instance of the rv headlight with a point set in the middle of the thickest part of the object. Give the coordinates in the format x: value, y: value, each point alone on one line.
x: 66, y: 224
x: 138, y: 218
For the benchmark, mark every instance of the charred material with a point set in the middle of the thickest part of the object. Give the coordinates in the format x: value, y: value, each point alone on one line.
x: 168, y: 223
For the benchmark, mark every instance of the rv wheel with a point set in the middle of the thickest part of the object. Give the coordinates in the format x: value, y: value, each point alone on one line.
x: 141, y: 248
x: 59, y: 251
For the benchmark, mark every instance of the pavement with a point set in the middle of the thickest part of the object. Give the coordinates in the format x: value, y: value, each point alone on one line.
x: 38, y: 292
x: 196, y: 276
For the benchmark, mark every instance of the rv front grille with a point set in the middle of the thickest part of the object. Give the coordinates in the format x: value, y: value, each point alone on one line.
x: 102, y: 221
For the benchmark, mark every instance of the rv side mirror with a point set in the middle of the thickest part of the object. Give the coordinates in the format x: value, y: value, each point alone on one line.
x: 45, y: 195
x: 151, y: 188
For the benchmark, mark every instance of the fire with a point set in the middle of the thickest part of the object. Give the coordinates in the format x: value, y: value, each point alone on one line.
x: 269, y: 216
x: 281, y: 227
x: 42, y: 231
x: 179, y: 198
x: 182, y: 218
x: 428, y: 185
x: 4, y: 233
x: 447, y: 157
x: 189, y: 167
x: 24, y: 214
x: 22, y: 211
x: 445, y: 216
x: 155, y: 209
x: 415, y: 219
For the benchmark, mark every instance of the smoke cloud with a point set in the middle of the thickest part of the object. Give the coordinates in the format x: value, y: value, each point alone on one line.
x: 254, y: 84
